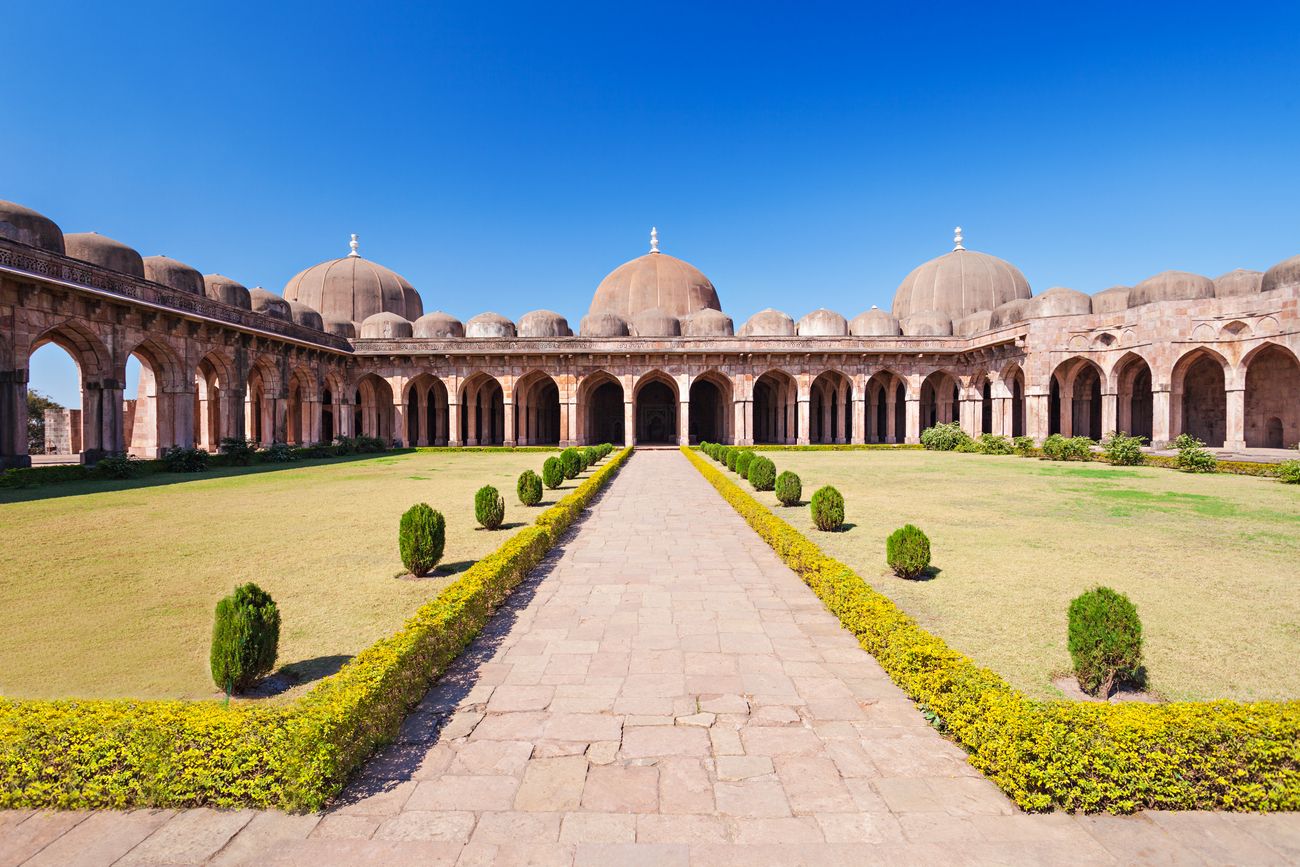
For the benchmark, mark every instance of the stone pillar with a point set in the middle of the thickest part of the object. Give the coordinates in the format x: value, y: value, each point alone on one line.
x: 453, y: 423
x: 423, y: 436
x: 508, y: 423
x: 101, y: 419
x: 471, y: 416
x: 1161, y: 417
x: 969, y: 412
x: 825, y: 434
x: 1109, y: 414
x: 842, y: 405
x: 1037, y: 422
x: 859, y: 427
x: 13, y: 410
x: 1067, y: 415
x: 629, y: 429
x: 745, y: 432
x: 684, y: 424
x: 1235, y: 440
x: 804, y: 426
x: 913, y: 430
x: 891, y: 416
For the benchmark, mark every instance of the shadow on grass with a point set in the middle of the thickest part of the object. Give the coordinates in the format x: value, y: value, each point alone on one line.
x: 309, y: 670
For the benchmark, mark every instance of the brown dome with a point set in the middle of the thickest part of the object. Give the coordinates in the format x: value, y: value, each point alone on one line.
x: 489, y: 325
x: 227, y: 291
x: 976, y: 323
x: 173, y: 274
x: 354, y: 289
x: 341, y: 328
x: 768, y: 323
x: 385, y: 326
x: 1010, y: 313
x: 1171, y: 286
x: 544, y: 323
x: 928, y: 323
x: 603, y: 324
x: 1283, y: 275
x: 874, y: 323
x: 29, y: 227
x: 438, y: 325
x: 1111, y: 300
x: 270, y: 304
x: 99, y: 250
x: 305, y: 316
x: 707, y: 323
x: 959, y: 283
x: 1238, y: 282
x: 656, y: 323
x: 1060, y: 301
x: 655, y: 281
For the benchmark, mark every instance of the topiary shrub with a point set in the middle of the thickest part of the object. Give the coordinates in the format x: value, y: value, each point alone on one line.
x: 907, y: 551
x: 762, y: 473
x: 421, y: 535
x: 589, y: 456
x: 553, y: 473
x: 1105, y: 640
x: 529, y: 488
x: 1193, y: 457
x: 238, y: 451
x: 489, y: 507
x: 789, y: 488
x: 827, y: 507
x: 721, y: 457
x: 945, y: 437
x: 245, y: 636
x: 182, y: 460
x: 733, y: 454
x: 572, y: 463
x: 993, y: 444
x: 1289, y: 472
x: 1123, y: 450
x: 743, y: 458
x: 1024, y: 446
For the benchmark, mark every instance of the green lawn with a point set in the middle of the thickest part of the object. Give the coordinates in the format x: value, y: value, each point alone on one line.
x: 1212, y: 562
x: 108, y: 588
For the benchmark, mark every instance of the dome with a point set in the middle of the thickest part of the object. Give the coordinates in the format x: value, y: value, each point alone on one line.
x: 1171, y: 286
x: 655, y: 323
x: 354, y: 288
x: 341, y: 328
x: 1283, y: 275
x: 874, y: 323
x: 305, y: 316
x: 227, y: 291
x: 385, y: 326
x: 544, y: 323
x: 707, y: 323
x: 1060, y: 301
x: 1010, y: 313
x: 654, y: 281
x: 976, y: 323
x: 173, y: 274
x: 822, y: 323
x: 1238, y: 282
x: 29, y: 227
x: 270, y: 304
x: 438, y: 325
x: 928, y: 323
x: 959, y: 283
x: 603, y: 324
x: 768, y: 323
x: 99, y: 250
x: 489, y: 325
x: 1111, y: 300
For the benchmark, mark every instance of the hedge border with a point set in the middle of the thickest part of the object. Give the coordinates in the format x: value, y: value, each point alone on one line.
x: 835, y: 447
x: 296, y: 756
x: 1072, y: 755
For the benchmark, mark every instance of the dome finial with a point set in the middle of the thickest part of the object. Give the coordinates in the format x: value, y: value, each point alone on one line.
x: 956, y: 239
x: 654, y: 240
x: 354, y: 245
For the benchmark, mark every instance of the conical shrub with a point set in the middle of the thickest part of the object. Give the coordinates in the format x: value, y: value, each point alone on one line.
x: 421, y: 535
x: 827, y: 507
x: 529, y: 488
x: 245, y: 637
x: 553, y: 473
x: 489, y: 507
x: 907, y: 551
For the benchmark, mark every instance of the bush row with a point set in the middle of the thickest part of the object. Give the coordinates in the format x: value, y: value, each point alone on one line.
x: 1072, y: 755
x: 295, y: 756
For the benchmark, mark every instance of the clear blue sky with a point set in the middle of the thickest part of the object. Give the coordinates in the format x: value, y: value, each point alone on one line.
x: 506, y: 157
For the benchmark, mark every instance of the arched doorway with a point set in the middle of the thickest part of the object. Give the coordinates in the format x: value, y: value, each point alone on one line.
x: 1135, y: 408
x: 830, y: 416
x: 427, y: 411
x: 299, y: 412
x: 601, y: 409
x: 482, y: 418
x: 1085, y: 404
x: 537, y: 410
x: 940, y: 399
x: 655, y: 410
x: 374, y: 408
x: 1202, y: 401
x: 711, y: 415
x: 986, y: 404
x: 210, y: 424
x: 149, y: 403
x: 1013, y: 378
x: 776, y: 415
x: 56, y: 429
x: 327, y: 431
x: 1272, y: 398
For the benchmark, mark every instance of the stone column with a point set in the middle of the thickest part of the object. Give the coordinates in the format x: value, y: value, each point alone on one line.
x: 969, y: 416
x: 1109, y: 414
x: 629, y: 429
x: 842, y: 423
x: 890, y: 434
x: 13, y: 409
x: 744, y: 434
x: 453, y: 423
x: 1235, y: 440
x: 804, y: 423
x: 1037, y: 422
x: 1162, y: 421
x: 913, y: 409
x: 825, y: 435
x: 508, y: 423
x: 1067, y: 415
x: 423, y: 436
x: 684, y: 424
x: 859, y: 410
x: 471, y: 416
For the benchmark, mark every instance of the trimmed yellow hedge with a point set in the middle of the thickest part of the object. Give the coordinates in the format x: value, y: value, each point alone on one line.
x: 90, y: 754
x: 1071, y: 755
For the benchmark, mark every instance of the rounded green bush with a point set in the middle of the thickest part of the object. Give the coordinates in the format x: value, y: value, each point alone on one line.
x: 789, y: 488
x: 489, y: 507
x: 529, y: 488
x: 827, y: 507
x: 553, y: 473
x: 245, y: 638
x: 742, y: 463
x: 421, y: 535
x: 589, y: 456
x: 1105, y: 640
x: 907, y: 551
x: 1289, y: 472
x: 724, y: 454
x: 572, y: 463
x: 729, y: 456
x: 762, y: 473
x: 945, y: 437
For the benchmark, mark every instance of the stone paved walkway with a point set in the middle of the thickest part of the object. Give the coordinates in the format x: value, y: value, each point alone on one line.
x: 664, y: 691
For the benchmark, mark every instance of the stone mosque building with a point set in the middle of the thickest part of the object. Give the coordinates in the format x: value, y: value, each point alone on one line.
x: 347, y: 349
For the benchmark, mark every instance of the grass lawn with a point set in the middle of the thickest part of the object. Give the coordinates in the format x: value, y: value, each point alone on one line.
x: 1211, y: 562
x: 108, y: 588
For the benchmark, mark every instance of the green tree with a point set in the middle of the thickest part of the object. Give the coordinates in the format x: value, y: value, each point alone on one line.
x: 37, y: 404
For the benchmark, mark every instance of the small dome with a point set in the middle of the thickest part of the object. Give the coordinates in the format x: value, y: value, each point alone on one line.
x: 227, y: 291
x: 270, y: 304
x: 544, y: 323
x: 603, y: 324
x: 1238, y: 282
x: 707, y: 323
x: 976, y: 323
x: 352, y: 288
x: 768, y: 323
x: 99, y: 250
x: 1283, y: 275
x: 1010, y: 313
x: 875, y: 323
x: 654, y: 281
x: 1111, y: 300
x: 305, y: 316
x: 173, y: 274
x: 1171, y: 286
x: 341, y: 328
x: 655, y: 323
x: 438, y: 325
x: 822, y: 323
x: 959, y: 283
x: 928, y: 323
x: 1060, y: 301
x: 489, y: 325
x: 29, y: 227
x: 385, y: 326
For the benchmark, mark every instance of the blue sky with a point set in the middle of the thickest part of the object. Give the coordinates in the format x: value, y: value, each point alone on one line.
x: 506, y: 157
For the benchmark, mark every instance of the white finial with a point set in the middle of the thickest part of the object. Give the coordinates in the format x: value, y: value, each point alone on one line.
x: 654, y: 240
x: 956, y: 239
x: 353, y: 244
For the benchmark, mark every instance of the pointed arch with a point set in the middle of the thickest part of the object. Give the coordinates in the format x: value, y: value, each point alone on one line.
x: 711, y: 416
x: 940, y: 398
x: 537, y: 409
x: 1199, y: 403
x: 427, y: 411
x: 655, y: 402
x: 1135, y: 408
x: 373, y: 408
x: 213, y: 381
x: 776, y: 407
x: 482, y: 417
x: 1075, y: 399
x: 886, y: 396
x: 602, y: 409
x: 830, y: 416
x: 1272, y: 398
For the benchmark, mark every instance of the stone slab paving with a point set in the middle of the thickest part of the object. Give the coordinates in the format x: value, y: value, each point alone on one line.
x: 662, y: 691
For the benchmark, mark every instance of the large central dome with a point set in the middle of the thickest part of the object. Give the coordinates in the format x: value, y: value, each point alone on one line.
x: 959, y: 283
x: 655, y: 281
x: 352, y: 289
